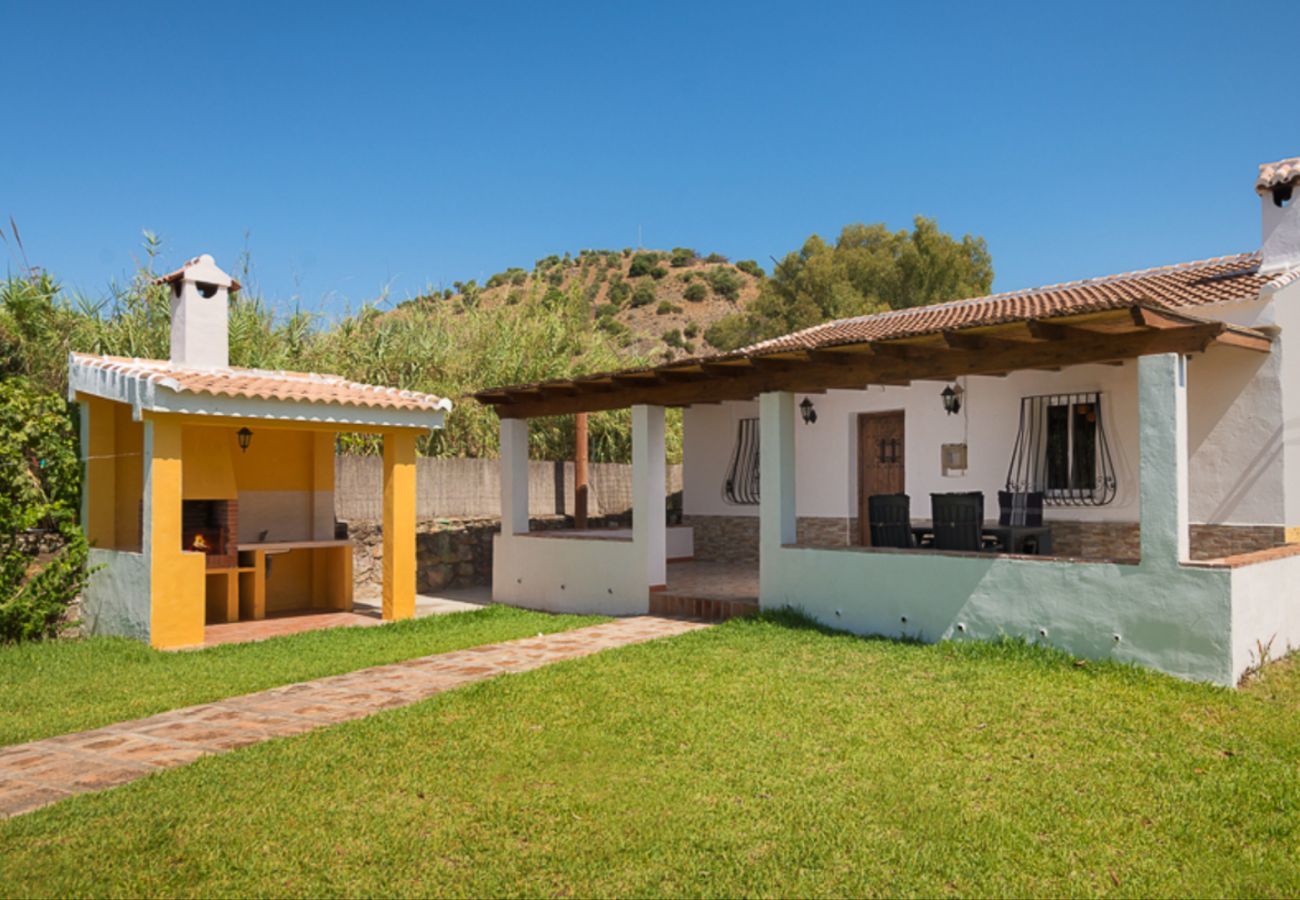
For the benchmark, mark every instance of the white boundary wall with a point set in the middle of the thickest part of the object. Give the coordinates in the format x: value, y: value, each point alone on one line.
x: 1265, y: 612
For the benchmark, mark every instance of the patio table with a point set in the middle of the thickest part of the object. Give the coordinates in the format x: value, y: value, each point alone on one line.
x: 1013, y: 538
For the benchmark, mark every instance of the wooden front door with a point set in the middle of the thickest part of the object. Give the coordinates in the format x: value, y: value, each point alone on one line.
x: 880, y: 462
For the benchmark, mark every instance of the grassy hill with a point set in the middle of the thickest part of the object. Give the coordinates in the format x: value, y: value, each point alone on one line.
x: 651, y: 303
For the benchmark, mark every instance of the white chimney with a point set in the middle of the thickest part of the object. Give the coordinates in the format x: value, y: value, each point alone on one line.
x: 200, y: 310
x: 1281, y: 214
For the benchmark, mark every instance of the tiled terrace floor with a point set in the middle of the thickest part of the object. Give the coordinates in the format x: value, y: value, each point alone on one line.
x: 41, y: 772
x: 723, y: 581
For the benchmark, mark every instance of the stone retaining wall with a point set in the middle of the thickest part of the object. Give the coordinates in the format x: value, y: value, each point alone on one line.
x: 449, y: 553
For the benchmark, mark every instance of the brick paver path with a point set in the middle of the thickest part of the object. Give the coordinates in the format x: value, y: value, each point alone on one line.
x: 41, y: 772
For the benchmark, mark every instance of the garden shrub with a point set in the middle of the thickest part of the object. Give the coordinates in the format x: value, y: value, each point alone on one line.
x: 40, y: 471
x: 724, y: 282
x: 696, y: 292
x: 673, y: 337
x: 658, y: 273
x: 691, y: 329
x: 666, y: 307
x: 619, y: 291
x: 681, y: 256
x: 643, y: 264
x: 715, y: 258
x: 512, y: 275
x: 751, y: 267
x: 644, y: 295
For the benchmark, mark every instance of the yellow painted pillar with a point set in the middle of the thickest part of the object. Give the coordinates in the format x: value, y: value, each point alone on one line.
x: 399, y: 525
x: 176, y: 582
x: 99, y: 490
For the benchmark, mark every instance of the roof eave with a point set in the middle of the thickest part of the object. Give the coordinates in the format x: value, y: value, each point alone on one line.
x: 158, y: 393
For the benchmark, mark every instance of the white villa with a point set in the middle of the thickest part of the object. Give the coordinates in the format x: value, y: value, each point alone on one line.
x: 1153, y: 416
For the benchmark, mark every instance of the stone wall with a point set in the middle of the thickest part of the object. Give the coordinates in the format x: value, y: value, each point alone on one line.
x: 1122, y: 540
x: 449, y: 553
x: 39, y: 544
x: 1217, y: 541
x: 1096, y: 540
x: 815, y: 531
x: 735, y: 538
x: 725, y: 538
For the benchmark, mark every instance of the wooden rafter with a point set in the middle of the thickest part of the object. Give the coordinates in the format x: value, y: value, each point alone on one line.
x: 988, y: 351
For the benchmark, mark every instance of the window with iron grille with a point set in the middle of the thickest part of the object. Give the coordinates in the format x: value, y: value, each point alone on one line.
x: 741, y: 484
x: 1062, y: 451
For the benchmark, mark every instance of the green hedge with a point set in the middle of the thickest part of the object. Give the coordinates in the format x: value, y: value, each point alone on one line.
x: 40, y: 473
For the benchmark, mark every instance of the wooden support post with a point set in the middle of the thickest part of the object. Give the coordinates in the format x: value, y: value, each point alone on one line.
x: 580, y: 471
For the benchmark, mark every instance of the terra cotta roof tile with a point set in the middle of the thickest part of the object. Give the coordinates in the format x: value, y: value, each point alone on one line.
x: 1275, y: 174
x: 264, y: 384
x: 1181, y: 286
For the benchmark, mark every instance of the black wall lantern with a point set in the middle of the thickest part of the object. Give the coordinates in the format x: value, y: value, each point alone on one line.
x: 952, y: 399
x: 245, y: 438
x: 806, y: 410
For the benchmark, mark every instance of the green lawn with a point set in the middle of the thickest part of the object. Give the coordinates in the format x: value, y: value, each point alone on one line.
x: 60, y: 686
x: 759, y: 757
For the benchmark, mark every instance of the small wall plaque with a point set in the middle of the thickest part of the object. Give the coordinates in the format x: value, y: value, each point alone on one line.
x: 952, y: 460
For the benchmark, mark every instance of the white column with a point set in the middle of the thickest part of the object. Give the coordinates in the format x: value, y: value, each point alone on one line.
x: 1162, y: 471
x: 649, y: 483
x: 514, y: 476
x: 776, y: 507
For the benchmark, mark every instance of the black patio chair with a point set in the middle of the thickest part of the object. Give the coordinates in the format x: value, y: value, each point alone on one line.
x: 1019, y: 511
x: 1017, y: 508
x: 890, y: 519
x: 958, y: 521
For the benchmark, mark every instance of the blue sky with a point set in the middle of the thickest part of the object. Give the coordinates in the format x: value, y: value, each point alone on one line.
x: 365, y: 147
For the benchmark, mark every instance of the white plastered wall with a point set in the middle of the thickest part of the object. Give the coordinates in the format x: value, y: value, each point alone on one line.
x: 827, y: 449
x: 1159, y: 613
x: 1285, y: 309
x: 1265, y: 613
x: 1235, y: 434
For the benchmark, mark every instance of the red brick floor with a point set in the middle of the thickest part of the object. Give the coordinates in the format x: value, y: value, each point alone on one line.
x: 41, y: 772
x: 707, y: 590
x: 277, y: 624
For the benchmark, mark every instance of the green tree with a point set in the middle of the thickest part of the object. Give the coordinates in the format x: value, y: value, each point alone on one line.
x: 868, y: 269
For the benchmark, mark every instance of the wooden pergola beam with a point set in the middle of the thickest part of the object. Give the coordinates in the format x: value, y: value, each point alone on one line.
x: 740, y: 382
x: 959, y: 340
x: 1054, y: 331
